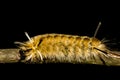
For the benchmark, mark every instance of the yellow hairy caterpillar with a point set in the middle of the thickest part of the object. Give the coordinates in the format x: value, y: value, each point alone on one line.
x: 65, y: 48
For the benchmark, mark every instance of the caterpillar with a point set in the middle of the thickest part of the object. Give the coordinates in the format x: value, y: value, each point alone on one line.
x: 65, y: 48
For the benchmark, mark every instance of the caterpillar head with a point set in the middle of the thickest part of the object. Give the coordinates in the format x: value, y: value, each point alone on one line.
x: 29, y: 51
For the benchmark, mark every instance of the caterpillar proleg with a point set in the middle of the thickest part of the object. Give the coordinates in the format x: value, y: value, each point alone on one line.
x: 66, y: 49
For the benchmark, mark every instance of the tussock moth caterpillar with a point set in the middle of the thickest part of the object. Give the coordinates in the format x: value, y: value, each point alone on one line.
x: 66, y: 49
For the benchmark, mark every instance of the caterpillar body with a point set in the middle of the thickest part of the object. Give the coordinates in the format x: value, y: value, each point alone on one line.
x: 65, y: 48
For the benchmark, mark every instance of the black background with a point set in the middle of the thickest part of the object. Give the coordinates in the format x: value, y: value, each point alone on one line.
x: 57, y: 17
x: 77, y: 18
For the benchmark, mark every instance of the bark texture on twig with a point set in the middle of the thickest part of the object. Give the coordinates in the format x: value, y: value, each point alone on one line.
x: 9, y: 55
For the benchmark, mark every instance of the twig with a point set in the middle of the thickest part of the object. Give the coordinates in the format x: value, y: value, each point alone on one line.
x: 9, y: 55
x: 13, y: 56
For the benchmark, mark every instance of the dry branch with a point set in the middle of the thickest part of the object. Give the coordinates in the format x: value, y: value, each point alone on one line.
x: 13, y: 56
x: 9, y: 55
